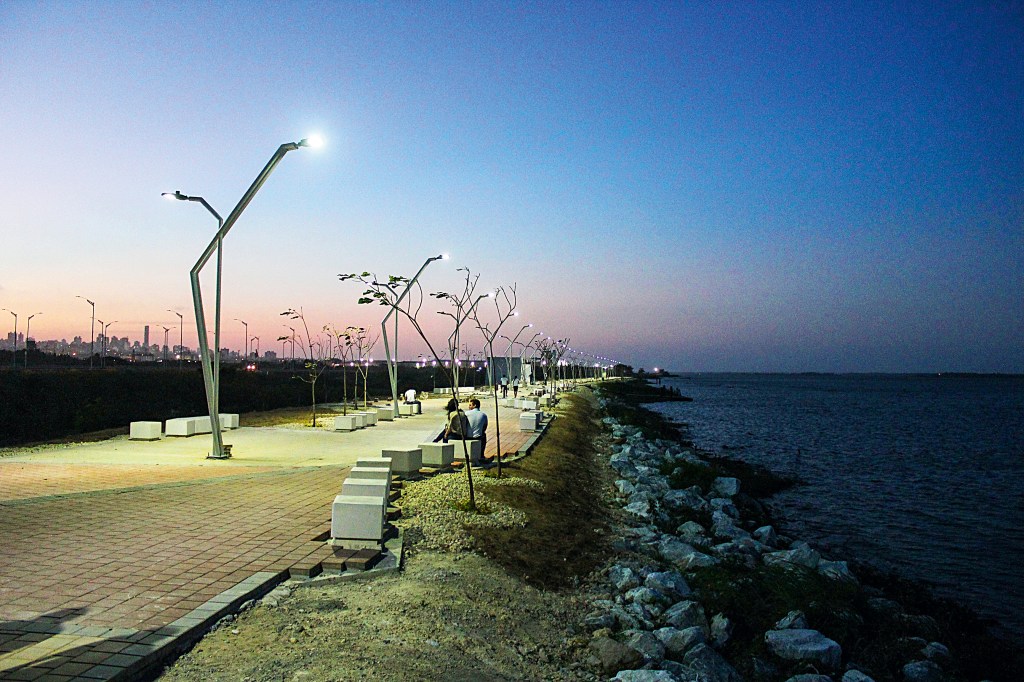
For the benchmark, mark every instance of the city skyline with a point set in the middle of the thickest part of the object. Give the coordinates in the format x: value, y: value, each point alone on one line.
x: 749, y: 187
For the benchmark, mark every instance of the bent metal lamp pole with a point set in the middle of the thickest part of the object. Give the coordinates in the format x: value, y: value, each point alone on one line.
x: 181, y: 336
x: 393, y: 362
x: 14, y: 353
x: 212, y: 389
x: 92, y: 331
x: 28, y: 326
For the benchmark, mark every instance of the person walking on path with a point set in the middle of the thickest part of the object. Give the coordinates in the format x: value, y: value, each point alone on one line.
x: 504, y: 386
x: 456, y: 426
x: 477, y: 425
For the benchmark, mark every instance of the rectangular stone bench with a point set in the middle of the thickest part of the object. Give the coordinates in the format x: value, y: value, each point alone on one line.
x: 346, y: 422
x: 227, y: 421
x: 386, y: 414
x: 529, y: 421
x: 529, y: 404
x: 370, y: 415
x: 404, y: 461
x: 144, y: 431
x: 358, y: 520
x: 181, y: 426
x: 374, y: 463
x: 437, y: 455
x: 366, y: 487
x: 475, y: 448
x: 407, y: 410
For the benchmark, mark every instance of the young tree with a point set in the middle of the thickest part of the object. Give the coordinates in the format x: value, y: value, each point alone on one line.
x: 363, y: 346
x: 315, y: 359
x: 346, y: 347
x: 505, y: 308
x: 389, y: 293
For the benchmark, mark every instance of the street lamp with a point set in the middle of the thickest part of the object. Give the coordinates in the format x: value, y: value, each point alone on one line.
x: 92, y: 330
x: 393, y: 362
x: 293, y: 345
x: 28, y: 326
x: 246, y: 325
x: 14, y: 354
x: 257, y: 340
x: 212, y: 387
x: 103, y: 355
x: 166, y: 329
x: 181, y: 335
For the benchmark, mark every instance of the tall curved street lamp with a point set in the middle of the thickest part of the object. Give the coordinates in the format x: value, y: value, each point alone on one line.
x: 28, y: 327
x: 103, y: 355
x: 14, y: 353
x: 92, y: 330
x: 392, y: 362
x: 181, y: 336
x: 212, y: 388
x: 246, y: 325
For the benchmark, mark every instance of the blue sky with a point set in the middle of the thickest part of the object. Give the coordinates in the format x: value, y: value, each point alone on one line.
x: 707, y: 186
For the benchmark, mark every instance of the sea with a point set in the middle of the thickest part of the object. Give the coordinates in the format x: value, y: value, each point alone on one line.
x: 922, y: 475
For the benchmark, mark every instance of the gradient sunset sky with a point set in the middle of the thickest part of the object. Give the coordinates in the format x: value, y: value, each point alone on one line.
x: 700, y: 186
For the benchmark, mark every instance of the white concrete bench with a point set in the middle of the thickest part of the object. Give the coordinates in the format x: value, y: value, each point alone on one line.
x: 370, y: 415
x: 529, y: 404
x: 227, y: 421
x: 437, y: 455
x: 346, y: 422
x: 529, y: 421
x: 374, y: 463
x: 144, y: 431
x: 366, y: 487
x: 475, y: 448
x: 358, y: 519
x: 544, y: 401
x: 386, y: 414
x: 404, y: 461
x: 181, y: 426
x: 407, y: 410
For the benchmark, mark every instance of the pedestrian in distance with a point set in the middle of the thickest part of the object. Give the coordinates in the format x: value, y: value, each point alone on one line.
x: 504, y: 386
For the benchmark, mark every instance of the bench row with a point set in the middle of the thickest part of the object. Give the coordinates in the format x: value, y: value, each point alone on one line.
x: 180, y: 426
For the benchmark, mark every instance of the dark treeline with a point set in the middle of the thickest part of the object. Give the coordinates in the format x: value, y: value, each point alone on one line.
x: 51, y: 403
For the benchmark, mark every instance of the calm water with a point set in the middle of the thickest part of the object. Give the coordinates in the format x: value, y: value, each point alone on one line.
x: 920, y: 474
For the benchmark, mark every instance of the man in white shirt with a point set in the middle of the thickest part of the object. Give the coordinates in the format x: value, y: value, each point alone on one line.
x: 410, y: 399
x: 477, y: 424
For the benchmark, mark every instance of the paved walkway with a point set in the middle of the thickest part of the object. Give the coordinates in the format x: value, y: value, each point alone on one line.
x: 114, y: 553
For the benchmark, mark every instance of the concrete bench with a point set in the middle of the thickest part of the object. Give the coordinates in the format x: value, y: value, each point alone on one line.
x: 529, y: 421
x: 358, y: 518
x: 370, y: 415
x: 366, y: 487
x: 408, y: 410
x: 529, y: 404
x: 228, y: 421
x: 360, y: 418
x: 405, y: 461
x: 144, y: 431
x: 346, y: 422
x: 475, y: 448
x: 544, y: 401
x: 386, y: 414
x: 374, y: 463
x: 182, y: 426
x: 437, y: 455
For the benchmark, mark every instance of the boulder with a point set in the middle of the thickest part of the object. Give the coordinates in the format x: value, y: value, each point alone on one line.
x: 794, y: 620
x: 647, y: 644
x: 724, y: 505
x: 686, y: 614
x: 614, y: 656
x: 801, y: 555
x: 677, y: 642
x: 643, y: 614
x: 923, y: 671
x: 645, y: 595
x: 934, y: 651
x: 837, y: 570
x: 856, y: 676
x: 669, y: 583
x: 766, y: 536
x: 674, y: 551
x: 624, y: 487
x: 623, y: 578
x: 639, y: 507
x: 721, y: 630
x: 645, y: 676
x: 809, y: 677
x: 693, y: 533
x: 684, y: 499
x: 726, y: 486
x: 599, y: 620
x: 801, y: 644
x: 707, y: 665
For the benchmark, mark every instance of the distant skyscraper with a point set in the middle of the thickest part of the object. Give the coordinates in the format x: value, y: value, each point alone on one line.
x: 145, y: 337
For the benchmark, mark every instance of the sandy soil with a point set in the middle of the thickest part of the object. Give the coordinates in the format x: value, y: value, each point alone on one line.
x: 447, y: 616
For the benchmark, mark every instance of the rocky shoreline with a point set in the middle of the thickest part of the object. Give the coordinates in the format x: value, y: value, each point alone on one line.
x: 705, y: 588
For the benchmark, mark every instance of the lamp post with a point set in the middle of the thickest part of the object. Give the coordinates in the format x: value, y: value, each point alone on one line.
x: 246, y: 325
x: 28, y: 326
x: 14, y: 353
x: 166, y: 330
x: 181, y: 336
x: 224, y: 226
x: 508, y: 353
x: 92, y: 330
x: 293, y: 346
x: 393, y: 361
x: 103, y: 355
x: 257, y: 340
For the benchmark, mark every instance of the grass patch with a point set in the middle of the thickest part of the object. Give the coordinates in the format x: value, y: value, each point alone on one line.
x: 481, y: 507
x: 564, y: 539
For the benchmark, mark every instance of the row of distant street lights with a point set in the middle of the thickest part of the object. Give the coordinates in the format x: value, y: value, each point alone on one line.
x: 28, y: 326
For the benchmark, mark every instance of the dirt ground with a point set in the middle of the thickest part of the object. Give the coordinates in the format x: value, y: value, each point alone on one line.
x: 445, y: 617
x: 450, y: 615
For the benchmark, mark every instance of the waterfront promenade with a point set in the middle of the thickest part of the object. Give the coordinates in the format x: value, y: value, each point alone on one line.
x: 116, y: 554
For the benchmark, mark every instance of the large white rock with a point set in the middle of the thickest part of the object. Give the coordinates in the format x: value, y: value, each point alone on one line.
x: 804, y: 645
x: 358, y: 518
x: 144, y: 431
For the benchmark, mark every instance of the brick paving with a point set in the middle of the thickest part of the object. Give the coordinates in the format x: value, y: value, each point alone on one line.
x: 105, y: 568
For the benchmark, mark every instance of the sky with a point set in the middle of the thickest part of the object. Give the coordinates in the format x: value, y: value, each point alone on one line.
x: 830, y: 187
